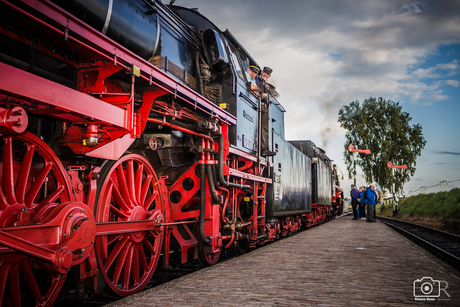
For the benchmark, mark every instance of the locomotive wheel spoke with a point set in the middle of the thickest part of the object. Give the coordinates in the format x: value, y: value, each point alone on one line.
x: 3, y: 201
x: 114, y: 238
x: 116, y: 250
x: 4, y: 269
x: 33, y: 179
x: 8, y: 172
x: 31, y: 282
x: 131, y: 184
x: 24, y: 174
x: 50, y: 198
x: 119, y: 198
x: 149, y: 247
x: 145, y: 189
x: 150, y: 200
x: 127, y: 190
x: 117, y: 212
x: 40, y: 179
x: 124, y: 186
x: 120, y: 263
x: 15, y: 287
x: 135, y: 267
x: 142, y: 261
x: 128, y: 263
x: 138, y: 183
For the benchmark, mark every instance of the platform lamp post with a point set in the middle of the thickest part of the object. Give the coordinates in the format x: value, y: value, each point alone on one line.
x: 392, y: 166
x: 352, y: 149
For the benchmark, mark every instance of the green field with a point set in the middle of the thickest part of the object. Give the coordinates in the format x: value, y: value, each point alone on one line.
x: 442, y: 204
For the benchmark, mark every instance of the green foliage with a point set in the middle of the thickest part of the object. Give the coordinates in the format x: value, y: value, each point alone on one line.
x: 445, y: 204
x: 385, y: 129
x: 387, y: 211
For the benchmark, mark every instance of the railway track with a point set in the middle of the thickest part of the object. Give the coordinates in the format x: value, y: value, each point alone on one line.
x: 444, y: 245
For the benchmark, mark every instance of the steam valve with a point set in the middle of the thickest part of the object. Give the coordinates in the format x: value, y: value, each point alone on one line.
x: 91, y: 136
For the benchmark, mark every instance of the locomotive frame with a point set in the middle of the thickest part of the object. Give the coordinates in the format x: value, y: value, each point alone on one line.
x: 111, y: 159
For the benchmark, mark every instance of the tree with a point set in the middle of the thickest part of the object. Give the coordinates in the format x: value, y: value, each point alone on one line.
x: 385, y: 129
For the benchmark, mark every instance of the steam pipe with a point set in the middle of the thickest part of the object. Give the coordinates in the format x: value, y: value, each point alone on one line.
x: 204, y: 239
x: 221, y: 168
x: 231, y: 240
x: 212, y: 187
x: 198, y: 69
x: 224, y: 208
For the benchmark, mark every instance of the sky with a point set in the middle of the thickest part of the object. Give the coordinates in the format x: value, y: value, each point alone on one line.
x: 326, y: 54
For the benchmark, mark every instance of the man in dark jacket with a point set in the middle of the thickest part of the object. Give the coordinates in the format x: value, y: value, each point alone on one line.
x: 370, y: 203
x: 262, y: 80
x: 354, y: 200
x: 361, y: 204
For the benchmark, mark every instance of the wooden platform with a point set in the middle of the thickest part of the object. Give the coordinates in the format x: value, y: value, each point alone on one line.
x: 341, y: 263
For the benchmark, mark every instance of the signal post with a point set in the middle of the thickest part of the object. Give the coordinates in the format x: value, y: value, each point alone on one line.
x: 352, y: 149
x: 392, y: 166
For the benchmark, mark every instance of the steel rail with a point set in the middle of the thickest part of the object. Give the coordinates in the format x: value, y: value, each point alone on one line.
x: 441, y: 253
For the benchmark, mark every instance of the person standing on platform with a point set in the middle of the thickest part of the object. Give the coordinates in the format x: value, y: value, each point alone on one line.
x: 354, y: 200
x: 377, y: 200
x: 361, y: 204
x: 370, y: 203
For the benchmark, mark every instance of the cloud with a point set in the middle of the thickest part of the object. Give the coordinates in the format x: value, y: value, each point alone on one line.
x: 438, y: 152
x: 453, y: 66
x: 381, y: 45
x: 326, y: 54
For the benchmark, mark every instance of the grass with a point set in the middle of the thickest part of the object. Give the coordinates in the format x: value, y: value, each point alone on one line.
x: 442, y: 204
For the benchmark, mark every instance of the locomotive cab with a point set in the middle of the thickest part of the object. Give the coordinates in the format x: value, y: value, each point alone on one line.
x: 225, y: 82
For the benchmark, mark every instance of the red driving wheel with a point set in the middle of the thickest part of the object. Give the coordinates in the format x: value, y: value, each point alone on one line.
x: 33, y: 183
x: 128, y: 190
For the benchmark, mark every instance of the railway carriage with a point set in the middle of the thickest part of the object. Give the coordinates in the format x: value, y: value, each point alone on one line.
x: 130, y: 140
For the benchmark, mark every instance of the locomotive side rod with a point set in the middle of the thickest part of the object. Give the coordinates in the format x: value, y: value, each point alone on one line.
x: 110, y: 228
x: 47, y: 246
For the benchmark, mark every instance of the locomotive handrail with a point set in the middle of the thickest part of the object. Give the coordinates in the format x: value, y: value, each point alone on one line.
x: 176, y: 127
x: 249, y: 100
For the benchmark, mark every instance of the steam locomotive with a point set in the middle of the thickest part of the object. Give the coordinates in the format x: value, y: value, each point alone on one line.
x: 129, y: 135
